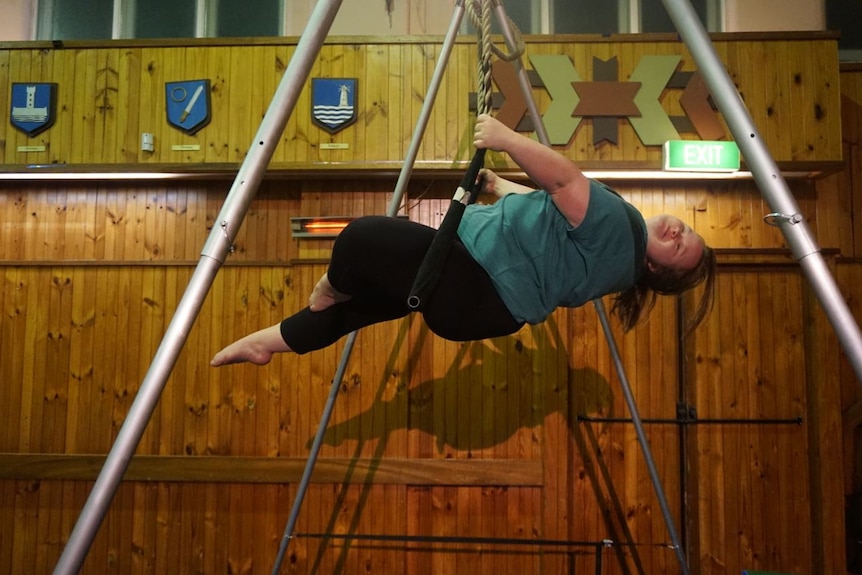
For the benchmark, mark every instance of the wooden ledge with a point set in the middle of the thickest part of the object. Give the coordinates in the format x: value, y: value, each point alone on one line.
x: 225, y: 469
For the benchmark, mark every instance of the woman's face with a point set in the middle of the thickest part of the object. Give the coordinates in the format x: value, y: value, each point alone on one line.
x: 671, y: 244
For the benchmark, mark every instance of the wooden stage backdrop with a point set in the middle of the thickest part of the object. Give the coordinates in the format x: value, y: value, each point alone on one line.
x: 516, y: 438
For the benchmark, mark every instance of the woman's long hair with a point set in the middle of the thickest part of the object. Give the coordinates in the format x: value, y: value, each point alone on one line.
x: 635, y: 302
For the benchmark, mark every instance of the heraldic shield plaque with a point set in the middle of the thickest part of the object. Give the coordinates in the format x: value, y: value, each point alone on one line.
x: 34, y: 107
x: 333, y: 103
x: 188, y: 105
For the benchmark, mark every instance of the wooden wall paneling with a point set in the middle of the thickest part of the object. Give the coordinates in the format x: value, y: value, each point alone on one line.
x: 825, y: 436
x: 783, y: 491
x: 844, y: 188
x: 755, y: 390
x: 371, y: 134
x: 543, y: 391
x: 11, y: 364
x: 759, y: 390
x: 421, y: 60
x: 567, y: 507
x: 709, y: 391
x: 84, y: 105
x: 298, y: 145
x: 62, y: 133
x: 126, y: 102
x: 218, y: 71
x: 242, y: 124
x: 35, y: 349
x: 24, y: 543
x: 735, y: 405
x: 665, y: 389
x: 396, y: 105
x: 86, y: 419
x: 453, y: 134
x: 79, y: 218
x: 115, y: 215
x: 7, y: 514
x: 777, y: 116
x: 8, y: 218
x: 828, y: 100
x: 106, y: 102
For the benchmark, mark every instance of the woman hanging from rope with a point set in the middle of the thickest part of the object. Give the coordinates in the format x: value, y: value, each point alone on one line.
x: 513, y: 261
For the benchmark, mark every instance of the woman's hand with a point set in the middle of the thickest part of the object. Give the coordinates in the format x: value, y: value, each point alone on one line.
x: 491, y: 134
x: 499, y: 186
x: 488, y: 180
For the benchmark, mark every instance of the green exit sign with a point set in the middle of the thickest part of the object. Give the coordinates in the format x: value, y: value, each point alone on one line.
x: 699, y: 156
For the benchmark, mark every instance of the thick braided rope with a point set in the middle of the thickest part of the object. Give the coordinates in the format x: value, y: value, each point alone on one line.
x: 479, y: 12
x: 483, y: 103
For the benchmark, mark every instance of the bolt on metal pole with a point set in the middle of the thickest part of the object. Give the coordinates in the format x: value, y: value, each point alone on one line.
x: 214, y: 252
x: 769, y: 179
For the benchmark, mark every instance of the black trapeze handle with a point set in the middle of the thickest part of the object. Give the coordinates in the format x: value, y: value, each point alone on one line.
x: 432, y: 265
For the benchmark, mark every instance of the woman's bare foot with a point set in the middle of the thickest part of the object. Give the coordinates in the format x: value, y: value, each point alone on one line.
x: 256, y: 348
x: 324, y: 295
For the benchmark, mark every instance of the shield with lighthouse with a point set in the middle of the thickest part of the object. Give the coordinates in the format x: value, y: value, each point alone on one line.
x: 333, y: 105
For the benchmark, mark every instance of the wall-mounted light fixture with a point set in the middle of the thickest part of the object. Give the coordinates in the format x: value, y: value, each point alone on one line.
x: 321, y: 227
x: 318, y: 227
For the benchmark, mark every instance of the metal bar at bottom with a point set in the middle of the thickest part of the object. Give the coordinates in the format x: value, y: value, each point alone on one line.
x: 684, y: 422
x: 216, y: 249
x: 769, y: 179
x: 639, y: 430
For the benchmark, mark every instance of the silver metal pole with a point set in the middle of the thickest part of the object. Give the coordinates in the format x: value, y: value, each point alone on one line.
x: 644, y: 443
x: 523, y: 79
x: 427, y: 106
x: 769, y: 179
x: 315, y: 450
x: 217, y: 246
x: 391, y: 211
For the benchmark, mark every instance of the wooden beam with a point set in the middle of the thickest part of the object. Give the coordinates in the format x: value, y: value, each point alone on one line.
x: 224, y: 469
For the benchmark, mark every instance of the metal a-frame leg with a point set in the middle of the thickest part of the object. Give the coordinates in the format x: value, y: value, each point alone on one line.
x: 391, y: 211
x: 213, y: 255
x: 769, y: 179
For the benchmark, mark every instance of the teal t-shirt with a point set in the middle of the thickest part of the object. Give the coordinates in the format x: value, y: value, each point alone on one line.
x: 539, y: 262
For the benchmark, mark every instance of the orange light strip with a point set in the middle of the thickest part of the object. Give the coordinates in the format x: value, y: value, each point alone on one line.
x: 316, y: 226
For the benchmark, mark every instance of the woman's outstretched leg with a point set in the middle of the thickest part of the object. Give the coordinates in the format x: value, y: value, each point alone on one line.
x: 256, y: 348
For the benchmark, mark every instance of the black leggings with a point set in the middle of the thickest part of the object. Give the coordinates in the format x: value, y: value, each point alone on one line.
x: 375, y: 260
